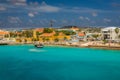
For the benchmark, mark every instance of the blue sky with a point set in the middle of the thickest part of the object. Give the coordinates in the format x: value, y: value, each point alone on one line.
x: 38, y: 13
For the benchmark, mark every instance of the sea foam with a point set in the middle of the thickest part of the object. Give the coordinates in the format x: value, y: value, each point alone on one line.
x: 36, y: 50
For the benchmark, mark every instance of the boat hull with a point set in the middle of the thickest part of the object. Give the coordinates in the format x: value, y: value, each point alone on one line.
x: 39, y: 46
x: 3, y: 44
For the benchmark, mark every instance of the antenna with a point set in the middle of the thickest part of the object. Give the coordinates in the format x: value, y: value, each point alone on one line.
x: 51, y: 23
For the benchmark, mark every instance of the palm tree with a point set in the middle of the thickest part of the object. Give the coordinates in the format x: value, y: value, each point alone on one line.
x: 25, y: 40
x: 43, y: 39
x: 6, y: 36
x: 13, y: 35
x: 117, y: 31
x: 119, y: 38
x: 65, y: 38
x: 47, y: 39
x: 56, y: 39
x: 20, y: 41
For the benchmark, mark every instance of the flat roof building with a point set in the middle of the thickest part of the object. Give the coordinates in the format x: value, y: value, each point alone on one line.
x: 110, y: 33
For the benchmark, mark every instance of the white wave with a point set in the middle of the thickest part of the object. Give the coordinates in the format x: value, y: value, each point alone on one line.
x: 36, y: 50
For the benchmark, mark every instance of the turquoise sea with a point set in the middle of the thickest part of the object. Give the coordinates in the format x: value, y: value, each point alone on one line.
x: 25, y: 62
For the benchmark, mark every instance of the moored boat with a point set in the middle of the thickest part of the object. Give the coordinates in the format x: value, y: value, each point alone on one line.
x: 3, y: 43
x: 39, y: 45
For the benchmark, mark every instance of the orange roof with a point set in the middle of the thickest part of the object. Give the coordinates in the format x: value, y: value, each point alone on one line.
x: 47, y: 34
x: 74, y: 28
x: 39, y: 30
x: 3, y: 32
x: 61, y: 34
x: 81, y: 34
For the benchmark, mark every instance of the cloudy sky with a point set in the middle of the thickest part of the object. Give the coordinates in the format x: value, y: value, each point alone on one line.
x: 39, y: 13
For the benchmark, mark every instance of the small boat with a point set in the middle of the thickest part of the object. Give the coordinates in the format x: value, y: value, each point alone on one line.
x: 3, y: 44
x: 39, y: 45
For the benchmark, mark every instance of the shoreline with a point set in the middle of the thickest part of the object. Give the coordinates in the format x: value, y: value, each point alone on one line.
x: 77, y: 46
x: 92, y: 47
x: 107, y: 48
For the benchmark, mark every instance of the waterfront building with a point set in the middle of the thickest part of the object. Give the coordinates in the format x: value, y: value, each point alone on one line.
x: 111, y: 33
x: 93, y: 36
x: 80, y: 36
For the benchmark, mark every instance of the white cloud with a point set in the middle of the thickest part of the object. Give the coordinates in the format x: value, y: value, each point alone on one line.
x: 87, y: 18
x: 84, y: 18
x: 18, y: 2
x: 106, y: 20
x: 87, y: 10
x: 81, y: 17
x: 80, y: 10
x: 31, y: 14
x: 94, y: 14
x: 44, y: 8
x: 48, y: 8
x: 14, y: 19
x: 2, y: 8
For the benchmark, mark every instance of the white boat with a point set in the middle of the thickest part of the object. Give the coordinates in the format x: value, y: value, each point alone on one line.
x: 39, y: 45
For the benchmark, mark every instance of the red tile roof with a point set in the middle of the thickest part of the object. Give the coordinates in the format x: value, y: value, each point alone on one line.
x: 3, y: 32
x: 81, y: 34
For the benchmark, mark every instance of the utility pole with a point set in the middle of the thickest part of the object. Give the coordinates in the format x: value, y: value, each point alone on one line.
x: 51, y: 24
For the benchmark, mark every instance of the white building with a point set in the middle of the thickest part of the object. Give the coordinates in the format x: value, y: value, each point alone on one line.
x: 109, y: 33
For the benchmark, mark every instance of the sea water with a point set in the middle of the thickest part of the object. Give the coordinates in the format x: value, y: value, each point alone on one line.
x: 25, y: 62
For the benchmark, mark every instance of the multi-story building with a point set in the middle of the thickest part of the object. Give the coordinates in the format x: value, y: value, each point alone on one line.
x: 110, y: 33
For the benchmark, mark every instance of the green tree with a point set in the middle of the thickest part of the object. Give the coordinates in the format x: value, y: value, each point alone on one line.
x: 119, y: 36
x: 95, y: 36
x: 105, y: 41
x: 43, y: 39
x: 27, y: 33
x: 13, y: 34
x: 20, y: 40
x: 38, y: 34
x: 117, y: 31
x: 7, y: 36
x: 68, y: 32
x: 65, y: 38
x: 47, y: 30
x: 56, y: 33
x: 25, y: 40
x: 56, y: 39
x: 19, y: 35
x: 47, y: 39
